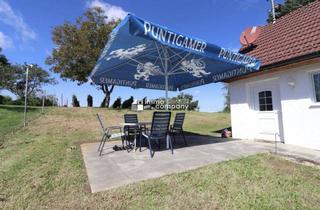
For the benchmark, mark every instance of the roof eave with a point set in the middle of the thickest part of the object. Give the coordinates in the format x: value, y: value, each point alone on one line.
x: 267, y: 68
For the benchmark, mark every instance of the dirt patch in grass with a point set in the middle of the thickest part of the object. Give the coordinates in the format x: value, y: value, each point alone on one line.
x: 280, y: 166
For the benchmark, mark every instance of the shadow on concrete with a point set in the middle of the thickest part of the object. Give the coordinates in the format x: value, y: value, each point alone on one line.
x: 193, y: 139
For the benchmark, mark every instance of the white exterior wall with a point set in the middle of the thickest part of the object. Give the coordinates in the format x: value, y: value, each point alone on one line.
x: 300, y: 115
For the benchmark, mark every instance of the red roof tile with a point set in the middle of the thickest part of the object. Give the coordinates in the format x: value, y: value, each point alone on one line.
x: 293, y: 35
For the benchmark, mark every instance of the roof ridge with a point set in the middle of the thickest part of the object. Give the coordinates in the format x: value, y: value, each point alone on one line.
x: 293, y: 35
x: 294, y: 11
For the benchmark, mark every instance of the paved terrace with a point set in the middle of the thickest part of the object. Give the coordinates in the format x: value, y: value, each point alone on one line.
x: 118, y: 168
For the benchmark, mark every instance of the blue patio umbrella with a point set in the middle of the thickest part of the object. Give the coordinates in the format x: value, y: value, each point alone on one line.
x: 141, y: 54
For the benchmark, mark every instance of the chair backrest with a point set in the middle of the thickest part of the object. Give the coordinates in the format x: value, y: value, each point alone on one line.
x: 131, y: 118
x: 160, y: 124
x: 179, y: 120
x: 101, y: 123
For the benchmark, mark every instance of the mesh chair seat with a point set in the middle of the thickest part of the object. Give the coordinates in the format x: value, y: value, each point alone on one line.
x: 177, y: 127
x: 108, y: 134
x: 131, y: 131
x: 159, y: 130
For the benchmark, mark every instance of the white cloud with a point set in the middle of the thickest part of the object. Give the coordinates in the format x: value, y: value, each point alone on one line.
x: 5, y: 41
x: 111, y: 11
x: 15, y: 20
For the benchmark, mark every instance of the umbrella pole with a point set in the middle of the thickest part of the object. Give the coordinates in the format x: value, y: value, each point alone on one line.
x: 166, y: 75
x: 167, y: 100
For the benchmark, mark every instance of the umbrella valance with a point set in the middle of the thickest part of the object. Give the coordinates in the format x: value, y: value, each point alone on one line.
x: 141, y: 54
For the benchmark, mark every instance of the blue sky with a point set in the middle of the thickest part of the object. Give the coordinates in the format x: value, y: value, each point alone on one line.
x: 26, y: 26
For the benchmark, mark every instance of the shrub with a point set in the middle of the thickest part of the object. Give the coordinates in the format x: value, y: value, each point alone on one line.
x: 50, y: 100
x: 75, y: 102
x: 102, y: 105
x: 89, y: 100
x: 6, y: 100
x: 117, y: 103
x: 193, y: 105
x: 127, y: 103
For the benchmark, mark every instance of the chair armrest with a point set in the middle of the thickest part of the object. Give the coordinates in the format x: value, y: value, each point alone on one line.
x: 114, y: 127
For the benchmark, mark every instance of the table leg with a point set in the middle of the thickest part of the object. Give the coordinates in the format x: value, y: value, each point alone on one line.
x: 168, y: 146
x: 135, y: 140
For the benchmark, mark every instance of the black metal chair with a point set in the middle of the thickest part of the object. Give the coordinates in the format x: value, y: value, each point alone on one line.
x: 108, y: 135
x: 159, y: 131
x: 177, y: 127
x: 130, y: 118
x: 131, y: 130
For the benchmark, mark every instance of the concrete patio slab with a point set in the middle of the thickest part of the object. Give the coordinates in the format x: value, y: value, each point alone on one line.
x: 114, y: 169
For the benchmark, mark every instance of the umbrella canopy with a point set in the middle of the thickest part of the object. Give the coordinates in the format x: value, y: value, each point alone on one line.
x: 141, y: 54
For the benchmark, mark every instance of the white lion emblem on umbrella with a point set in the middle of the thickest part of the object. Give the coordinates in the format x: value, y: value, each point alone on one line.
x: 196, y: 67
x: 127, y: 53
x: 145, y: 70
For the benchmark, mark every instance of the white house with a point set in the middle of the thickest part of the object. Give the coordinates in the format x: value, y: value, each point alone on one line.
x: 282, y: 100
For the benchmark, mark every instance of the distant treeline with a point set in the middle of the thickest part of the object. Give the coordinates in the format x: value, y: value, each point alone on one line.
x: 50, y: 100
x: 181, y: 99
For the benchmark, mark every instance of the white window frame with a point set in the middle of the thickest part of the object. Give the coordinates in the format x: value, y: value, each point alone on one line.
x: 314, y: 97
x: 272, y: 101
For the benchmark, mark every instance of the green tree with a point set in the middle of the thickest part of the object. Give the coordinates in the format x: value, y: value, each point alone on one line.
x: 185, y: 96
x: 5, y: 71
x: 89, y: 101
x: 226, y: 107
x: 36, y: 79
x: 3, y: 59
x: 51, y: 100
x: 193, y: 105
x: 75, y: 102
x: 127, y: 103
x: 287, y: 7
x: 5, y: 100
x: 117, y: 103
x: 185, y: 99
x: 78, y: 46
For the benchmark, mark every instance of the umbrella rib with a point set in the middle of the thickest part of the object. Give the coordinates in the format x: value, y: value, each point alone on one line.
x: 110, y: 69
x: 182, y: 59
x: 159, y: 53
x: 175, y: 54
x: 176, y: 73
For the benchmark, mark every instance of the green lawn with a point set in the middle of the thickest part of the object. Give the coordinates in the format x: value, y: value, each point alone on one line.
x: 42, y: 167
x: 11, y: 117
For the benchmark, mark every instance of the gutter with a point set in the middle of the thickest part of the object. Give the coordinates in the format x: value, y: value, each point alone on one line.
x: 265, y: 68
x: 291, y: 60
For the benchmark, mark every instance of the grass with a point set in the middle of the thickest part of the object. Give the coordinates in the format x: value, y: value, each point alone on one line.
x: 11, y: 117
x: 42, y: 167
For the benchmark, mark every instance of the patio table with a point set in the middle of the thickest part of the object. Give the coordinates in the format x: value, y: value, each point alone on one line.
x: 139, y: 125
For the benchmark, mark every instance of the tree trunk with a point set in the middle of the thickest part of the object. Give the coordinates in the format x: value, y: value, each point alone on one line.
x: 107, y: 99
x: 107, y: 93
